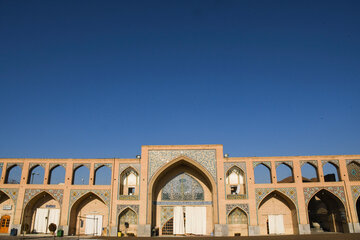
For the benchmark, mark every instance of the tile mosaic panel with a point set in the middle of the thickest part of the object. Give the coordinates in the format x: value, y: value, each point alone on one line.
x: 261, y: 193
x: 182, y: 187
x: 165, y: 214
x: 76, y: 165
x: 312, y: 162
x: 11, y: 192
x: 31, y: 165
x: 236, y: 196
x: 309, y: 192
x: 236, y: 216
x: 182, y: 203
x: 56, y: 193
x: 335, y: 162
x: 103, y: 194
x: 353, y: 169
x: 230, y: 207
x: 97, y: 165
x: 9, y: 165
x: 289, y: 163
x: 158, y: 158
x: 122, y: 207
x: 228, y: 165
x: 124, y: 166
x: 355, y: 190
x: 128, y: 197
x: 352, y: 160
x: 266, y: 163
x: 52, y: 165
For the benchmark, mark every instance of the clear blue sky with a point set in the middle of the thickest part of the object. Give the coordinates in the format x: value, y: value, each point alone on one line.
x: 101, y: 78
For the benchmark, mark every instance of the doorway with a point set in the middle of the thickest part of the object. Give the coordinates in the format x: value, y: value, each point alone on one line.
x: 4, y: 224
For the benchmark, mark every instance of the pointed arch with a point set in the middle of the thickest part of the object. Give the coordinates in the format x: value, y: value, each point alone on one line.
x: 81, y: 175
x: 331, y: 172
x: 13, y: 174
x: 129, y: 182
x: 284, y: 173
x: 309, y: 172
x: 102, y: 175
x: 235, y: 181
x: 57, y: 175
x: 4, y: 196
x: 36, y: 175
x: 262, y: 174
x: 231, y: 220
x: 128, y: 215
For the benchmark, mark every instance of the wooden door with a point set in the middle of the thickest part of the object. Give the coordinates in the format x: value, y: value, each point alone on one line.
x: 4, y: 224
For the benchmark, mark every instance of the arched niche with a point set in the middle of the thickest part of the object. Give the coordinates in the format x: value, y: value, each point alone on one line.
x: 262, y: 174
x: 237, y: 221
x: 326, y: 213
x: 284, y: 173
x: 129, y: 216
x: 277, y: 214
x: 81, y: 175
x: 353, y: 169
x: 165, y: 174
x: 129, y: 182
x: 235, y: 181
x: 36, y: 175
x: 13, y: 175
x: 309, y: 173
x: 40, y: 212
x: 89, y: 216
x: 57, y: 175
x: 102, y: 175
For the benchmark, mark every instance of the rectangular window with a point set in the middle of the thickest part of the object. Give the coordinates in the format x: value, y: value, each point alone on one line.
x: 131, y: 191
x: 233, y: 190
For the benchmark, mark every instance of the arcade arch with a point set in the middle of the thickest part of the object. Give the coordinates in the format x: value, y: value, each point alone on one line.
x: 36, y: 175
x: 88, y: 216
x: 262, y: 174
x: 102, y: 175
x: 13, y: 175
x: 81, y: 175
x: 277, y: 214
x: 57, y: 175
x: 309, y: 173
x: 202, y: 195
x: 40, y: 212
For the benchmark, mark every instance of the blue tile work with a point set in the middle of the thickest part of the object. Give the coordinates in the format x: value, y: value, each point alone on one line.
x: 266, y: 163
x: 158, y: 158
x: 122, y: 207
x: 335, y: 162
x: 182, y: 203
x: 289, y: 163
x: 57, y: 194
x: 12, y: 193
x: 31, y: 165
x: 9, y: 165
x: 165, y: 214
x: 124, y: 166
x: 182, y: 187
x: 97, y: 165
x: 312, y: 162
x: 52, y: 165
x: 103, y: 194
x: 309, y: 192
x: 230, y: 207
x: 348, y: 161
x: 355, y: 191
x: 76, y: 165
x: 261, y: 193
x: 228, y: 165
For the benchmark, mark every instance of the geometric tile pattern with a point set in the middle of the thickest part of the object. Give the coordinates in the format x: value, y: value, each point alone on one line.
x: 289, y: 163
x: 230, y: 207
x: 103, y: 194
x: 11, y: 192
x: 352, y: 160
x: 266, y: 163
x: 97, y: 165
x: 206, y: 158
x: 355, y: 190
x: 31, y: 165
x: 55, y: 193
x: 312, y: 162
x: 309, y: 192
x: 121, y: 208
x: 228, y: 165
x: 57, y: 164
x: 9, y: 165
x: 261, y: 193
x: 135, y: 166
x: 165, y: 214
x: 128, y: 197
x: 76, y: 165
x: 335, y: 162
x: 353, y: 169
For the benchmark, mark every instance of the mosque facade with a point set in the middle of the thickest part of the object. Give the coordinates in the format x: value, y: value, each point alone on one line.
x: 181, y: 190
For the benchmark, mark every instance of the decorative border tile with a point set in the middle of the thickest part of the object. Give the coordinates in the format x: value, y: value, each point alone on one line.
x: 261, y: 193
x: 128, y: 197
x: 355, y: 191
x: 11, y: 192
x: 105, y: 195
x: 9, y: 165
x: 289, y: 163
x: 52, y: 165
x: 309, y: 192
x: 182, y: 203
x: 236, y: 196
x: 312, y: 162
x: 97, y: 165
x: 31, y: 165
x: 122, y: 207
x: 55, y: 193
x: 244, y: 207
x: 165, y: 214
x: 76, y: 165
x: 228, y: 165
x: 348, y: 161
x: 266, y: 163
x: 158, y: 158
x: 335, y: 162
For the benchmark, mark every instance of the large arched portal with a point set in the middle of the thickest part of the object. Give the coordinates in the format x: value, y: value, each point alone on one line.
x: 88, y: 216
x: 182, y: 191
x: 277, y: 214
x: 40, y: 212
x: 326, y: 213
